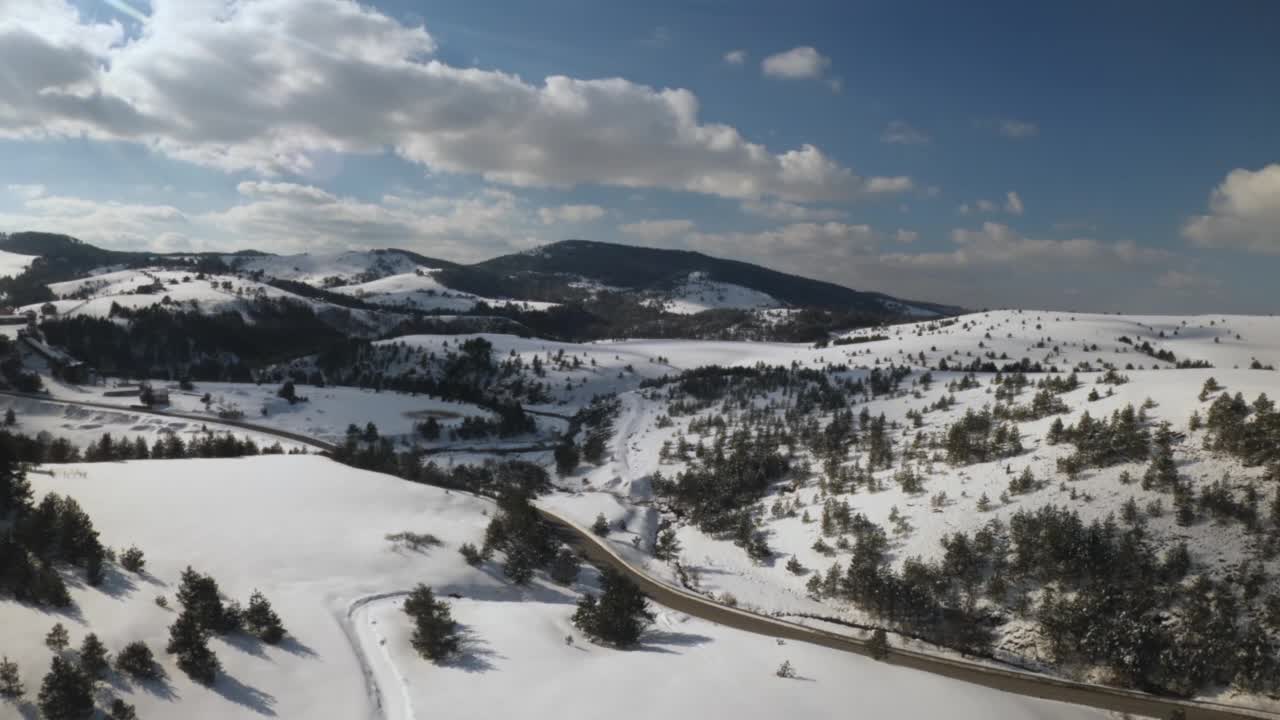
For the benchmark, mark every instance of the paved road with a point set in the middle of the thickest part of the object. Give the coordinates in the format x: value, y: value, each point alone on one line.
x: 1023, y: 683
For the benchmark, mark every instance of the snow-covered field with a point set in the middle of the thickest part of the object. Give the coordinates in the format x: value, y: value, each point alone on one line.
x: 324, y: 415
x: 83, y: 425
x: 310, y: 534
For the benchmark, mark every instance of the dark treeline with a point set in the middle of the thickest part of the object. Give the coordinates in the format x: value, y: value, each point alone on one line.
x: 44, y: 449
x: 160, y: 343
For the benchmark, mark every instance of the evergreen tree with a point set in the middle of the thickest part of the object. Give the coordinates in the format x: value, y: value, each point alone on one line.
x: 435, y: 634
x: 288, y: 392
x: 262, y: 620
x: 133, y: 559
x: 472, y: 555
x: 878, y: 645
x: 600, y: 526
x: 10, y: 418
x: 66, y: 693
x: 794, y: 567
x: 136, y: 660
x: 10, y: 682
x: 190, y: 642
x: 58, y: 638
x: 94, y: 659
x: 121, y: 710
x: 567, y: 458
x: 200, y: 596
x: 564, y: 568
x: 667, y: 546
x: 15, y: 490
x: 620, y: 614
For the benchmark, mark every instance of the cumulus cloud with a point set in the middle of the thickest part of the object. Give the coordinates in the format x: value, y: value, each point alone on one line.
x: 898, y: 132
x: 735, y: 57
x: 271, y: 85
x: 289, y: 217
x: 781, y: 210
x: 1012, y: 203
x: 802, y: 62
x: 570, y: 214
x: 999, y: 245
x: 653, y: 230
x: 1244, y: 213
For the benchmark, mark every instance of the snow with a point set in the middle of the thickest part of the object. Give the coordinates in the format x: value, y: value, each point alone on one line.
x: 420, y: 290
x: 317, y: 268
x: 84, y: 425
x: 324, y: 415
x: 310, y: 534
x: 697, y: 293
x: 14, y: 264
x: 685, y: 667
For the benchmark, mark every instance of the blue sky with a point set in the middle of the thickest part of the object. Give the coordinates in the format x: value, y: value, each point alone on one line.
x: 1093, y: 156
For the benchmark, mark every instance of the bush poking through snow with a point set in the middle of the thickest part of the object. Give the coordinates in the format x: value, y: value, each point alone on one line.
x: 418, y: 542
x: 601, y: 525
x: 133, y: 560
x: 137, y: 662
x: 785, y: 670
x: 435, y: 634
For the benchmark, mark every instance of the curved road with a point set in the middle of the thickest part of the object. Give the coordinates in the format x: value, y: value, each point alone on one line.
x: 1023, y: 683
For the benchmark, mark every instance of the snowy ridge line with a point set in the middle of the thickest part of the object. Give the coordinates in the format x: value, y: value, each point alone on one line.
x: 1018, y: 682
x: 1015, y: 681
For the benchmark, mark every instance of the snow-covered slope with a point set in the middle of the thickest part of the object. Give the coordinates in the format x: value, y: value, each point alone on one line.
x: 421, y: 290
x: 310, y: 534
x: 698, y: 293
x: 14, y: 264
x: 326, y: 268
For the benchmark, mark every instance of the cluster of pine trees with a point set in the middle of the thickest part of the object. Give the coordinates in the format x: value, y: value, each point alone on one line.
x: 108, y: 448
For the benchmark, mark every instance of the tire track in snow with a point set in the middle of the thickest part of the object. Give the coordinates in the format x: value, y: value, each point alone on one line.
x: 361, y: 632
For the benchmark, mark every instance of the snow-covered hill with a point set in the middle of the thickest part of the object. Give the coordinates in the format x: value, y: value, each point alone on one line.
x: 698, y: 293
x: 421, y: 291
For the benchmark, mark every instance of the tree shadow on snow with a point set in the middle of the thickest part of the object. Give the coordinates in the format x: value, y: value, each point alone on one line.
x: 159, y: 686
x: 27, y: 710
x: 474, y: 654
x: 246, y: 644
x: 115, y: 583
x: 246, y: 696
x: 294, y: 646
x: 655, y: 640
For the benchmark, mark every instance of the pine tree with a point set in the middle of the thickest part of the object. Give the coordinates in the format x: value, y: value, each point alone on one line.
x: 794, y: 567
x: 878, y: 645
x: 10, y: 418
x: 133, y: 559
x: 121, y: 710
x: 189, y: 641
x: 601, y: 525
x: 262, y: 620
x: 94, y: 659
x: 667, y: 546
x: 471, y: 554
x: 15, y: 490
x: 435, y: 634
x: 66, y: 693
x: 10, y: 682
x: 136, y: 660
x: 58, y: 638
x: 564, y: 567
x: 619, y: 615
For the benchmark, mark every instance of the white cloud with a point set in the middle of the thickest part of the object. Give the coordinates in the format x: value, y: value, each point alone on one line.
x: 1013, y: 203
x: 653, y: 230
x: 288, y: 217
x: 273, y: 85
x: 1244, y: 213
x: 797, y: 63
x: 898, y: 132
x: 27, y: 192
x: 781, y: 210
x: 735, y: 57
x: 997, y: 245
x: 985, y: 206
x: 1017, y: 129
x: 570, y: 214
